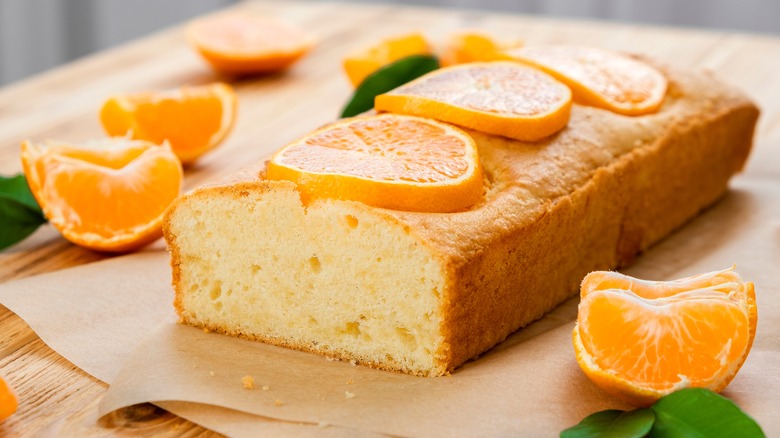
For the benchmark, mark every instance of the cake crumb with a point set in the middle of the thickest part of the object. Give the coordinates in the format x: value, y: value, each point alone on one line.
x: 266, y: 387
x: 248, y: 382
x: 323, y: 424
x: 330, y: 359
x: 349, y: 382
x: 349, y: 394
x: 278, y: 402
x: 211, y: 374
x: 206, y: 330
x: 353, y: 362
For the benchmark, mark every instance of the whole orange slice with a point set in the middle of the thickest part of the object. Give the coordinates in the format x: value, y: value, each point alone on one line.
x: 242, y: 43
x: 108, y: 195
x: 388, y: 161
x: 600, y: 78
x: 361, y: 63
x: 502, y: 98
x: 640, y: 340
x: 192, y: 119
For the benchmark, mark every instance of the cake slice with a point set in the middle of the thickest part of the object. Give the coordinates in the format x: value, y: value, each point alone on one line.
x: 422, y: 293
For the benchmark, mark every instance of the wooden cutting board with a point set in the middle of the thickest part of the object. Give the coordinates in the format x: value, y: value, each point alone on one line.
x: 59, y: 398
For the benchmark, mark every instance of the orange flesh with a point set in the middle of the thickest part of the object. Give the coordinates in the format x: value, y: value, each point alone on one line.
x: 491, y: 88
x: 246, y: 35
x: 188, y: 124
x: 382, y: 150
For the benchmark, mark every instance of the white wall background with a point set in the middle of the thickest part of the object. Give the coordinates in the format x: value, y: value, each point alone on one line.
x: 36, y: 35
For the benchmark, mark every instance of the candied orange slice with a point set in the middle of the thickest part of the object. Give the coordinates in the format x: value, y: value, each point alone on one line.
x: 472, y: 46
x: 242, y: 43
x: 600, y: 78
x: 361, y: 63
x: 640, y: 340
x: 502, y: 98
x: 107, y: 195
x: 192, y: 119
x: 389, y: 161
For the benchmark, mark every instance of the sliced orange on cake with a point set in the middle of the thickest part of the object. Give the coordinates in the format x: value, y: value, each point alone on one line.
x: 245, y: 42
x: 599, y: 77
x: 640, y: 340
x: 193, y: 119
x: 389, y: 161
x: 361, y: 63
x: 503, y: 98
x: 108, y: 195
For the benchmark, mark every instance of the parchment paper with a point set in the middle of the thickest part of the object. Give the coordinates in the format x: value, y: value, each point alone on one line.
x: 114, y: 320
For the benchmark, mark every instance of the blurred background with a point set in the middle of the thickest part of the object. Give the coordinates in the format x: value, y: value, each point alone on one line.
x: 36, y: 35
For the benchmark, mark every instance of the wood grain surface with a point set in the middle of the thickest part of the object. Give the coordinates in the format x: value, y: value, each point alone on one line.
x: 57, y: 398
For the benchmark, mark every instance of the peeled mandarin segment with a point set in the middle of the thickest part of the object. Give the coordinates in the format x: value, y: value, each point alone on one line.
x: 640, y: 340
x: 107, y: 196
x: 389, y: 161
x: 248, y: 43
x: 599, y: 77
x: 358, y: 65
x: 501, y: 98
x: 192, y: 119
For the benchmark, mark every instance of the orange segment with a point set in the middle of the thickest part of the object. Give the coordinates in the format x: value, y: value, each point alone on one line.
x: 248, y: 43
x: 8, y: 401
x: 359, y: 64
x: 598, y: 77
x: 192, y: 119
x: 641, y: 340
x: 108, y: 195
x: 472, y: 46
x: 388, y: 161
x: 502, y: 98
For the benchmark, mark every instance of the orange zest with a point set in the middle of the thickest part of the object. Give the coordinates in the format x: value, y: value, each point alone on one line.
x: 244, y: 43
x: 108, y: 195
x: 8, y: 401
x: 501, y: 98
x: 361, y: 63
x: 192, y: 119
x: 598, y: 77
x: 389, y: 161
x: 640, y: 340
x: 472, y: 46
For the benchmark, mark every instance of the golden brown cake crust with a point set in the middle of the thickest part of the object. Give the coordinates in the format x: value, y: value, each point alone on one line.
x: 591, y: 197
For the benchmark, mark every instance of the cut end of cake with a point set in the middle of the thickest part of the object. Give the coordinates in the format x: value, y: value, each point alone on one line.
x: 330, y: 277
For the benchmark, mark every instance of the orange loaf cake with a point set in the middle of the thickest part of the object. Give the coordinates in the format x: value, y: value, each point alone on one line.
x: 422, y: 293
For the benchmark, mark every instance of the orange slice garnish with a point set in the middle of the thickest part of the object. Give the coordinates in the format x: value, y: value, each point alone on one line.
x: 108, y: 195
x: 243, y: 43
x: 361, y: 63
x: 389, y: 161
x: 600, y: 78
x: 502, y: 98
x: 192, y: 119
x: 640, y: 340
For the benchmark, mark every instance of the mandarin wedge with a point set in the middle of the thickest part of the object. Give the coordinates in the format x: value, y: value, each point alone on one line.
x: 8, y: 400
x: 599, y: 77
x: 640, y: 340
x: 472, y: 46
x: 501, y: 98
x: 361, y: 63
x: 245, y: 43
x: 389, y: 161
x: 193, y: 120
x: 107, y: 195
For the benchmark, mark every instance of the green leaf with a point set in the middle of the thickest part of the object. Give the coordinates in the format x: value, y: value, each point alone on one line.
x: 697, y: 412
x: 15, y: 187
x: 613, y: 424
x: 17, y: 220
x: 385, y: 79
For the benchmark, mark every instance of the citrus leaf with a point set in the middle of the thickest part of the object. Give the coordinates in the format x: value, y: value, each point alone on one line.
x: 697, y: 412
x: 387, y: 78
x: 16, y: 187
x: 17, y: 220
x: 613, y: 424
